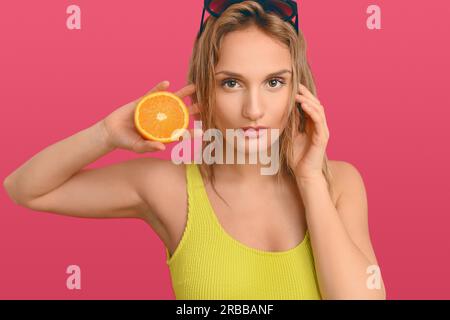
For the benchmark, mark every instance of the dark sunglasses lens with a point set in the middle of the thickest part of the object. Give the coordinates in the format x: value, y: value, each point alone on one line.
x: 217, y: 6
x: 282, y: 8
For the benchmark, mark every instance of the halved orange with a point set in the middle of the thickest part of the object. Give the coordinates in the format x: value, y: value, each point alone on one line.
x: 159, y: 114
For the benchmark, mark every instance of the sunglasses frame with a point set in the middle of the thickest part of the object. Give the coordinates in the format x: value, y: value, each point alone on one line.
x: 265, y: 3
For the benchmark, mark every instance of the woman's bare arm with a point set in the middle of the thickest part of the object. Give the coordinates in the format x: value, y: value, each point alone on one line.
x: 55, y: 164
x: 55, y: 180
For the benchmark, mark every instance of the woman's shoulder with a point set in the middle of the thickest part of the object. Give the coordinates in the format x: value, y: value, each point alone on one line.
x: 342, y: 172
x: 341, y: 168
x: 161, y: 177
x: 163, y: 187
x: 160, y: 168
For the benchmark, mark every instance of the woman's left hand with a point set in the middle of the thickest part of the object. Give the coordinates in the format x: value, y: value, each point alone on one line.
x: 310, y: 146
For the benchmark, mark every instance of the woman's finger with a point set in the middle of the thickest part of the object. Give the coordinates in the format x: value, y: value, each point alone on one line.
x: 318, y: 107
x: 155, y: 145
x: 143, y: 145
x: 304, y: 90
x: 186, y: 91
x: 162, y: 86
x: 315, y: 115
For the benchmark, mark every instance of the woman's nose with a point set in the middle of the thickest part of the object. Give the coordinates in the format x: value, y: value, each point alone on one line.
x: 253, y: 109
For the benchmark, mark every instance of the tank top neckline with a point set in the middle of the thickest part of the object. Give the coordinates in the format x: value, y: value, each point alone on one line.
x: 214, y: 217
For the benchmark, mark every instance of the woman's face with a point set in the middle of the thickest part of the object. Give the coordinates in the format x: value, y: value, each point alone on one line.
x: 253, y: 82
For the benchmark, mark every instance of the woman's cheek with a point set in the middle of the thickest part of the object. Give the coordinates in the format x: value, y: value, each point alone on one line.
x: 277, y: 104
x: 228, y: 110
x: 280, y: 115
x: 223, y: 119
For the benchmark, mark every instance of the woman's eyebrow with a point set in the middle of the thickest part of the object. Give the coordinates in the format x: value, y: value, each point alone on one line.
x: 234, y: 74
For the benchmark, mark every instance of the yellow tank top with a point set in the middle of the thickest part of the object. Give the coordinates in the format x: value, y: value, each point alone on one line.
x: 209, y: 264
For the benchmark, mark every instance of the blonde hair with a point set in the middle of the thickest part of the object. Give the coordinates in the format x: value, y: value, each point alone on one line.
x: 205, y: 56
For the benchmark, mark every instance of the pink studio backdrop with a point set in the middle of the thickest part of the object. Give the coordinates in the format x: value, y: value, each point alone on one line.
x: 386, y: 94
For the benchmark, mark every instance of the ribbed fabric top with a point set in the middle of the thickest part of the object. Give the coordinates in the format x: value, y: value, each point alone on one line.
x: 209, y: 264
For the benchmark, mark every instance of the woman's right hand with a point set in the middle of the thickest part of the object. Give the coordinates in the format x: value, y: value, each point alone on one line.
x: 120, y: 131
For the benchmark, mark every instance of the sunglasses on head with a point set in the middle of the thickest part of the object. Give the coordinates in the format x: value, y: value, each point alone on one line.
x: 286, y: 9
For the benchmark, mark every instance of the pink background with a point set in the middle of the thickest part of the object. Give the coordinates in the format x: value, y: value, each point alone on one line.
x: 386, y: 94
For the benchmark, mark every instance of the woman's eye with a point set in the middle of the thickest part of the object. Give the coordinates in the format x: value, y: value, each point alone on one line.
x: 229, y: 81
x: 274, y: 81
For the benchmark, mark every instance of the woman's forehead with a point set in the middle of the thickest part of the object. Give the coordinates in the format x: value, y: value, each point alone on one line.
x: 252, y: 50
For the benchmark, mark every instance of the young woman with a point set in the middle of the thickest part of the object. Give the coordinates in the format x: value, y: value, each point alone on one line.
x: 229, y: 231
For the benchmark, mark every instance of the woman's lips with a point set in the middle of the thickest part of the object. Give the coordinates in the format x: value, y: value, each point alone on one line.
x: 254, y: 132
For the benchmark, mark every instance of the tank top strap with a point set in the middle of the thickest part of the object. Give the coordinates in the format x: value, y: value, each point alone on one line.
x: 193, y: 177
x: 198, y: 222
x: 198, y: 202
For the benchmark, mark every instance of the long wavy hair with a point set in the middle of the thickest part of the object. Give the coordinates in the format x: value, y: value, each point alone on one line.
x: 205, y: 56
